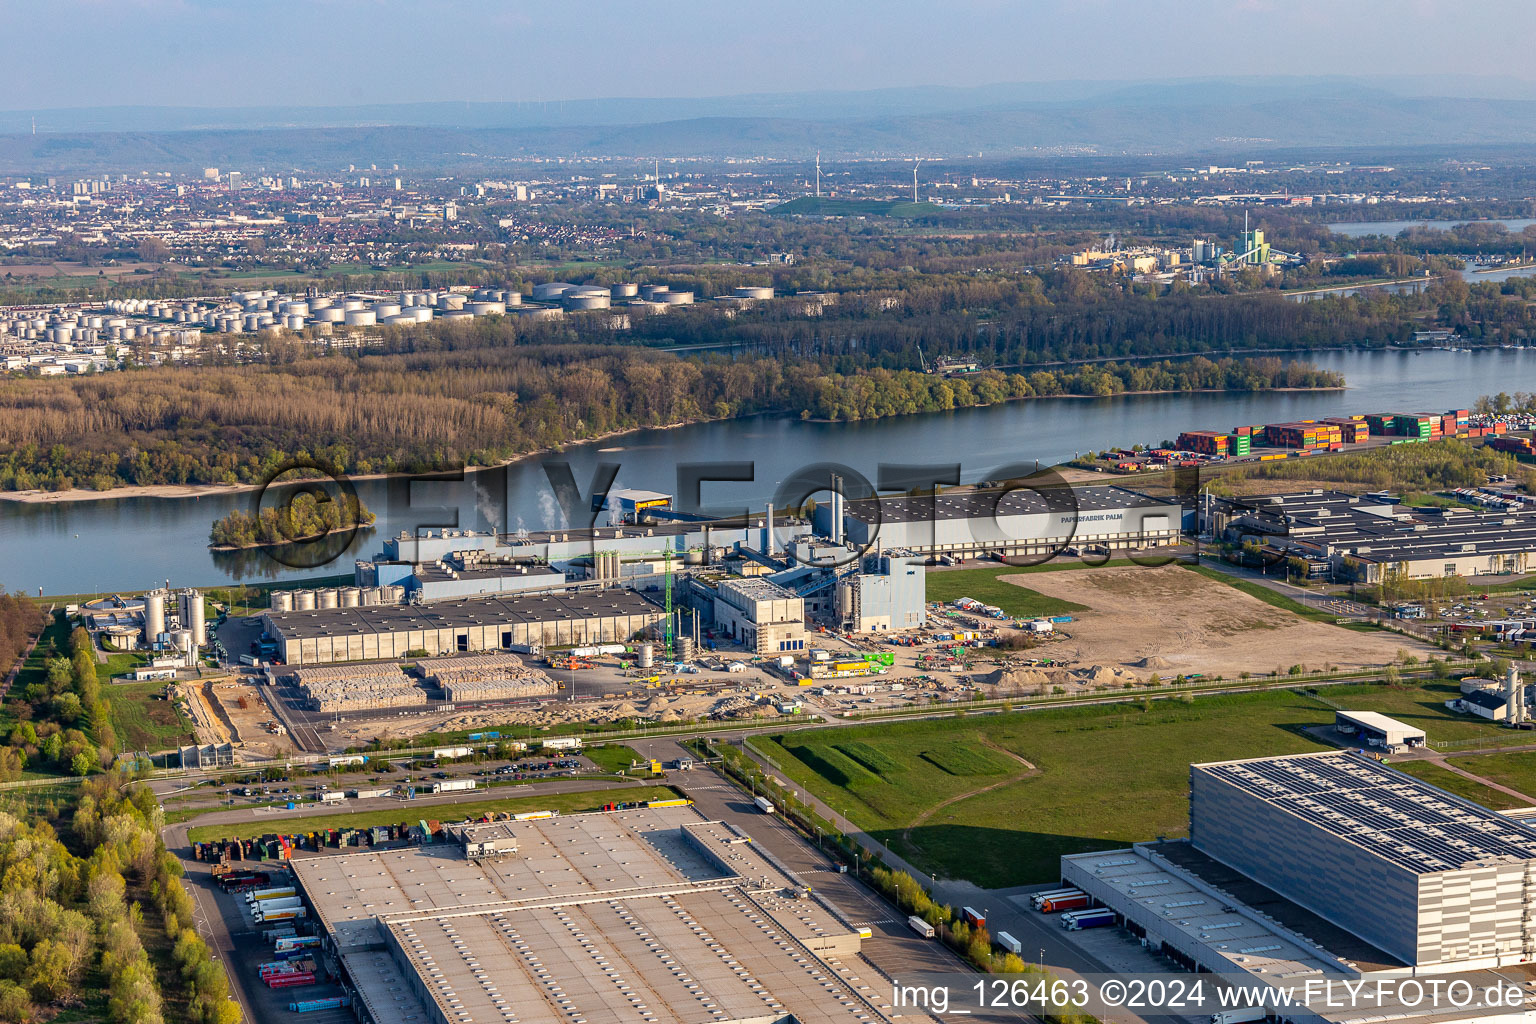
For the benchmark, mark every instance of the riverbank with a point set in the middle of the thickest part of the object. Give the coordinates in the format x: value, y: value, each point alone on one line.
x: 37, y: 496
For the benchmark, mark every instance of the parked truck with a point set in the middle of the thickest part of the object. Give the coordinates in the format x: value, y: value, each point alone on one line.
x: 1040, y: 897
x: 278, y: 893
x: 1076, y: 921
x: 286, y: 914
x: 763, y: 804
x: 453, y: 785
x: 277, y: 903
x: 920, y: 926
x: 1057, y: 904
x: 449, y: 753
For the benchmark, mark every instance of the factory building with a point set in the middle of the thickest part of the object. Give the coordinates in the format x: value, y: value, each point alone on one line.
x: 1431, y: 879
x: 319, y: 636
x: 759, y: 614
x: 1371, y: 538
x: 974, y: 523
x: 887, y: 592
x: 649, y: 914
x: 471, y: 572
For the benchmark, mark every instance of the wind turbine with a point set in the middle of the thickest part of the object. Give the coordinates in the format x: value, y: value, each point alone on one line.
x: 915, y: 165
x: 818, y: 174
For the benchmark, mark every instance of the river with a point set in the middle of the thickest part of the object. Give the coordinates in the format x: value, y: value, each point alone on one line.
x: 1391, y: 228
x: 133, y: 543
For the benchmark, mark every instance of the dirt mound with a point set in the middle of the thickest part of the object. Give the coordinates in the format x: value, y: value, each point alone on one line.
x: 1105, y: 676
x: 1018, y: 678
x: 1153, y: 662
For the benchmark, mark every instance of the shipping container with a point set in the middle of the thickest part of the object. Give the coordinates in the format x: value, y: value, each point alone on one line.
x: 291, y: 980
x: 453, y: 785
x: 311, y: 1005
x: 972, y: 917
x: 763, y: 804
x: 1009, y: 943
x: 920, y: 926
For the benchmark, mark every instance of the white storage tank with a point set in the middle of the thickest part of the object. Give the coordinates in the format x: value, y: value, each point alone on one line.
x: 360, y: 318
x: 645, y: 656
x: 384, y: 309
x: 304, y: 600
x: 329, y: 315
x: 351, y: 597
x: 485, y: 308
x: 391, y: 594
x: 450, y: 300
x: 551, y: 290
x: 625, y: 291
x: 753, y: 292
x: 193, y: 618
x: 327, y: 598
x: 581, y: 301
x: 282, y: 600
x: 154, y: 615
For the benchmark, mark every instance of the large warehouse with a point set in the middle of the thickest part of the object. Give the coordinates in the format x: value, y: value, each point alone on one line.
x: 1427, y: 877
x: 483, y: 624
x: 641, y: 916
x: 968, y: 523
x: 1369, y: 538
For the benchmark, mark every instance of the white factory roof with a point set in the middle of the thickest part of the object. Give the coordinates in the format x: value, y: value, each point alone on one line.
x: 1391, y: 728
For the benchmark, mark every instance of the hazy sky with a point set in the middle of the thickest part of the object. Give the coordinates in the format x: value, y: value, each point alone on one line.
x: 70, y: 53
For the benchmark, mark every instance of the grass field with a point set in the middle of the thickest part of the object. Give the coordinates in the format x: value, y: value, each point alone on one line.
x: 1105, y: 775
x: 565, y: 803
x: 1515, y: 770
x: 1463, y: 787
x: 611, y: 757
x: 144, y: 723
x: 991, y: 586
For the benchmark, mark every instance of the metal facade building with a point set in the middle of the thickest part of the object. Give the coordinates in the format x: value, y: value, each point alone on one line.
x: 889, y: 592
x: 483, y: 624
x: 970, y: 523
x: 1427, y: 877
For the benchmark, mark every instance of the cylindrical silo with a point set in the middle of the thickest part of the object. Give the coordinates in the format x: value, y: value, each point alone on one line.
x: 351, y: 597
x: 282, y: 600
x: 326, y: 598
x: 193, y: 619
x: 304, y: 600
x: 360, y: 318
x: 645, y: 656
x: 154, y: 615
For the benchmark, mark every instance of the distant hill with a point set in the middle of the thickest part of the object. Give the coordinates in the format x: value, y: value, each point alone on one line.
x: 1060, y: 120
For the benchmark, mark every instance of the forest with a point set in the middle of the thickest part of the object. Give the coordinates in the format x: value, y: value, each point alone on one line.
x: 303, y: 518
x: 413, y: 411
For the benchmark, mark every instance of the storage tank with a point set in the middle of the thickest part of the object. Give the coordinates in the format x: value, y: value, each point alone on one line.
x: 753, y: 292
x: 327, y: 598
x: 304, y: 600
x: 391, y: 594
x: 329, y: 315
x: 420, y: 314
x: 625, y: 291
x: 551, y: 290
x: 400, y: 320
x: 193, y: 617
x: 351, y: 597
x: 485, y: 308
x: 368, y: 595
x: 296, y: 308
x: 449, y: 300
x: 154, y: 615
x: 360, y: 318
x: 181, y: 639
x: 282, y: 600
x: 645, y: 656
x: 384, y: 309
x: 512, y: 298
x: 351, y: 305
x: 672, y: 298
x: 580, y: 302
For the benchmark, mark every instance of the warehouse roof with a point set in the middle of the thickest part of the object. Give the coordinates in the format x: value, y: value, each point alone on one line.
x: 476, y: 611
x: 976, y: 504
x: 646, y: 915
x: 1384, y: 812
x: 1373, y: 530
x: 1379, y: 723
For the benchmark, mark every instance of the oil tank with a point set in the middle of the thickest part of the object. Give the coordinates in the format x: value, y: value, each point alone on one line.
x: 360, y: 318
x: 485, y: 308
x: 384, y: 309
x: 645, y: 656
x: 282, y: 600
x: 350, y: 597
x: 753, y: 292
x: 580, y: 302
x: 327, y: 598
x: 304, y: 600
x: 450, y: 300
x: 625, y: 291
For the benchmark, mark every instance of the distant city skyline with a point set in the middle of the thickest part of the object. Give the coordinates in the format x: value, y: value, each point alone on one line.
x: 222, y: 53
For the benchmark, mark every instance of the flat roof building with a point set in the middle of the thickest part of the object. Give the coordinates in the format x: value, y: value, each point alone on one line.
x: 1428, y: 877
x: 481, y: 624
x: 1378, y: 730
x: 642, y: 916
x: 970, y: 522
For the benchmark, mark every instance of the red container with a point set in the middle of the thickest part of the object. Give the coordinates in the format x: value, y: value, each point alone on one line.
x: 291, y: 980
x: 1066, y: 903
